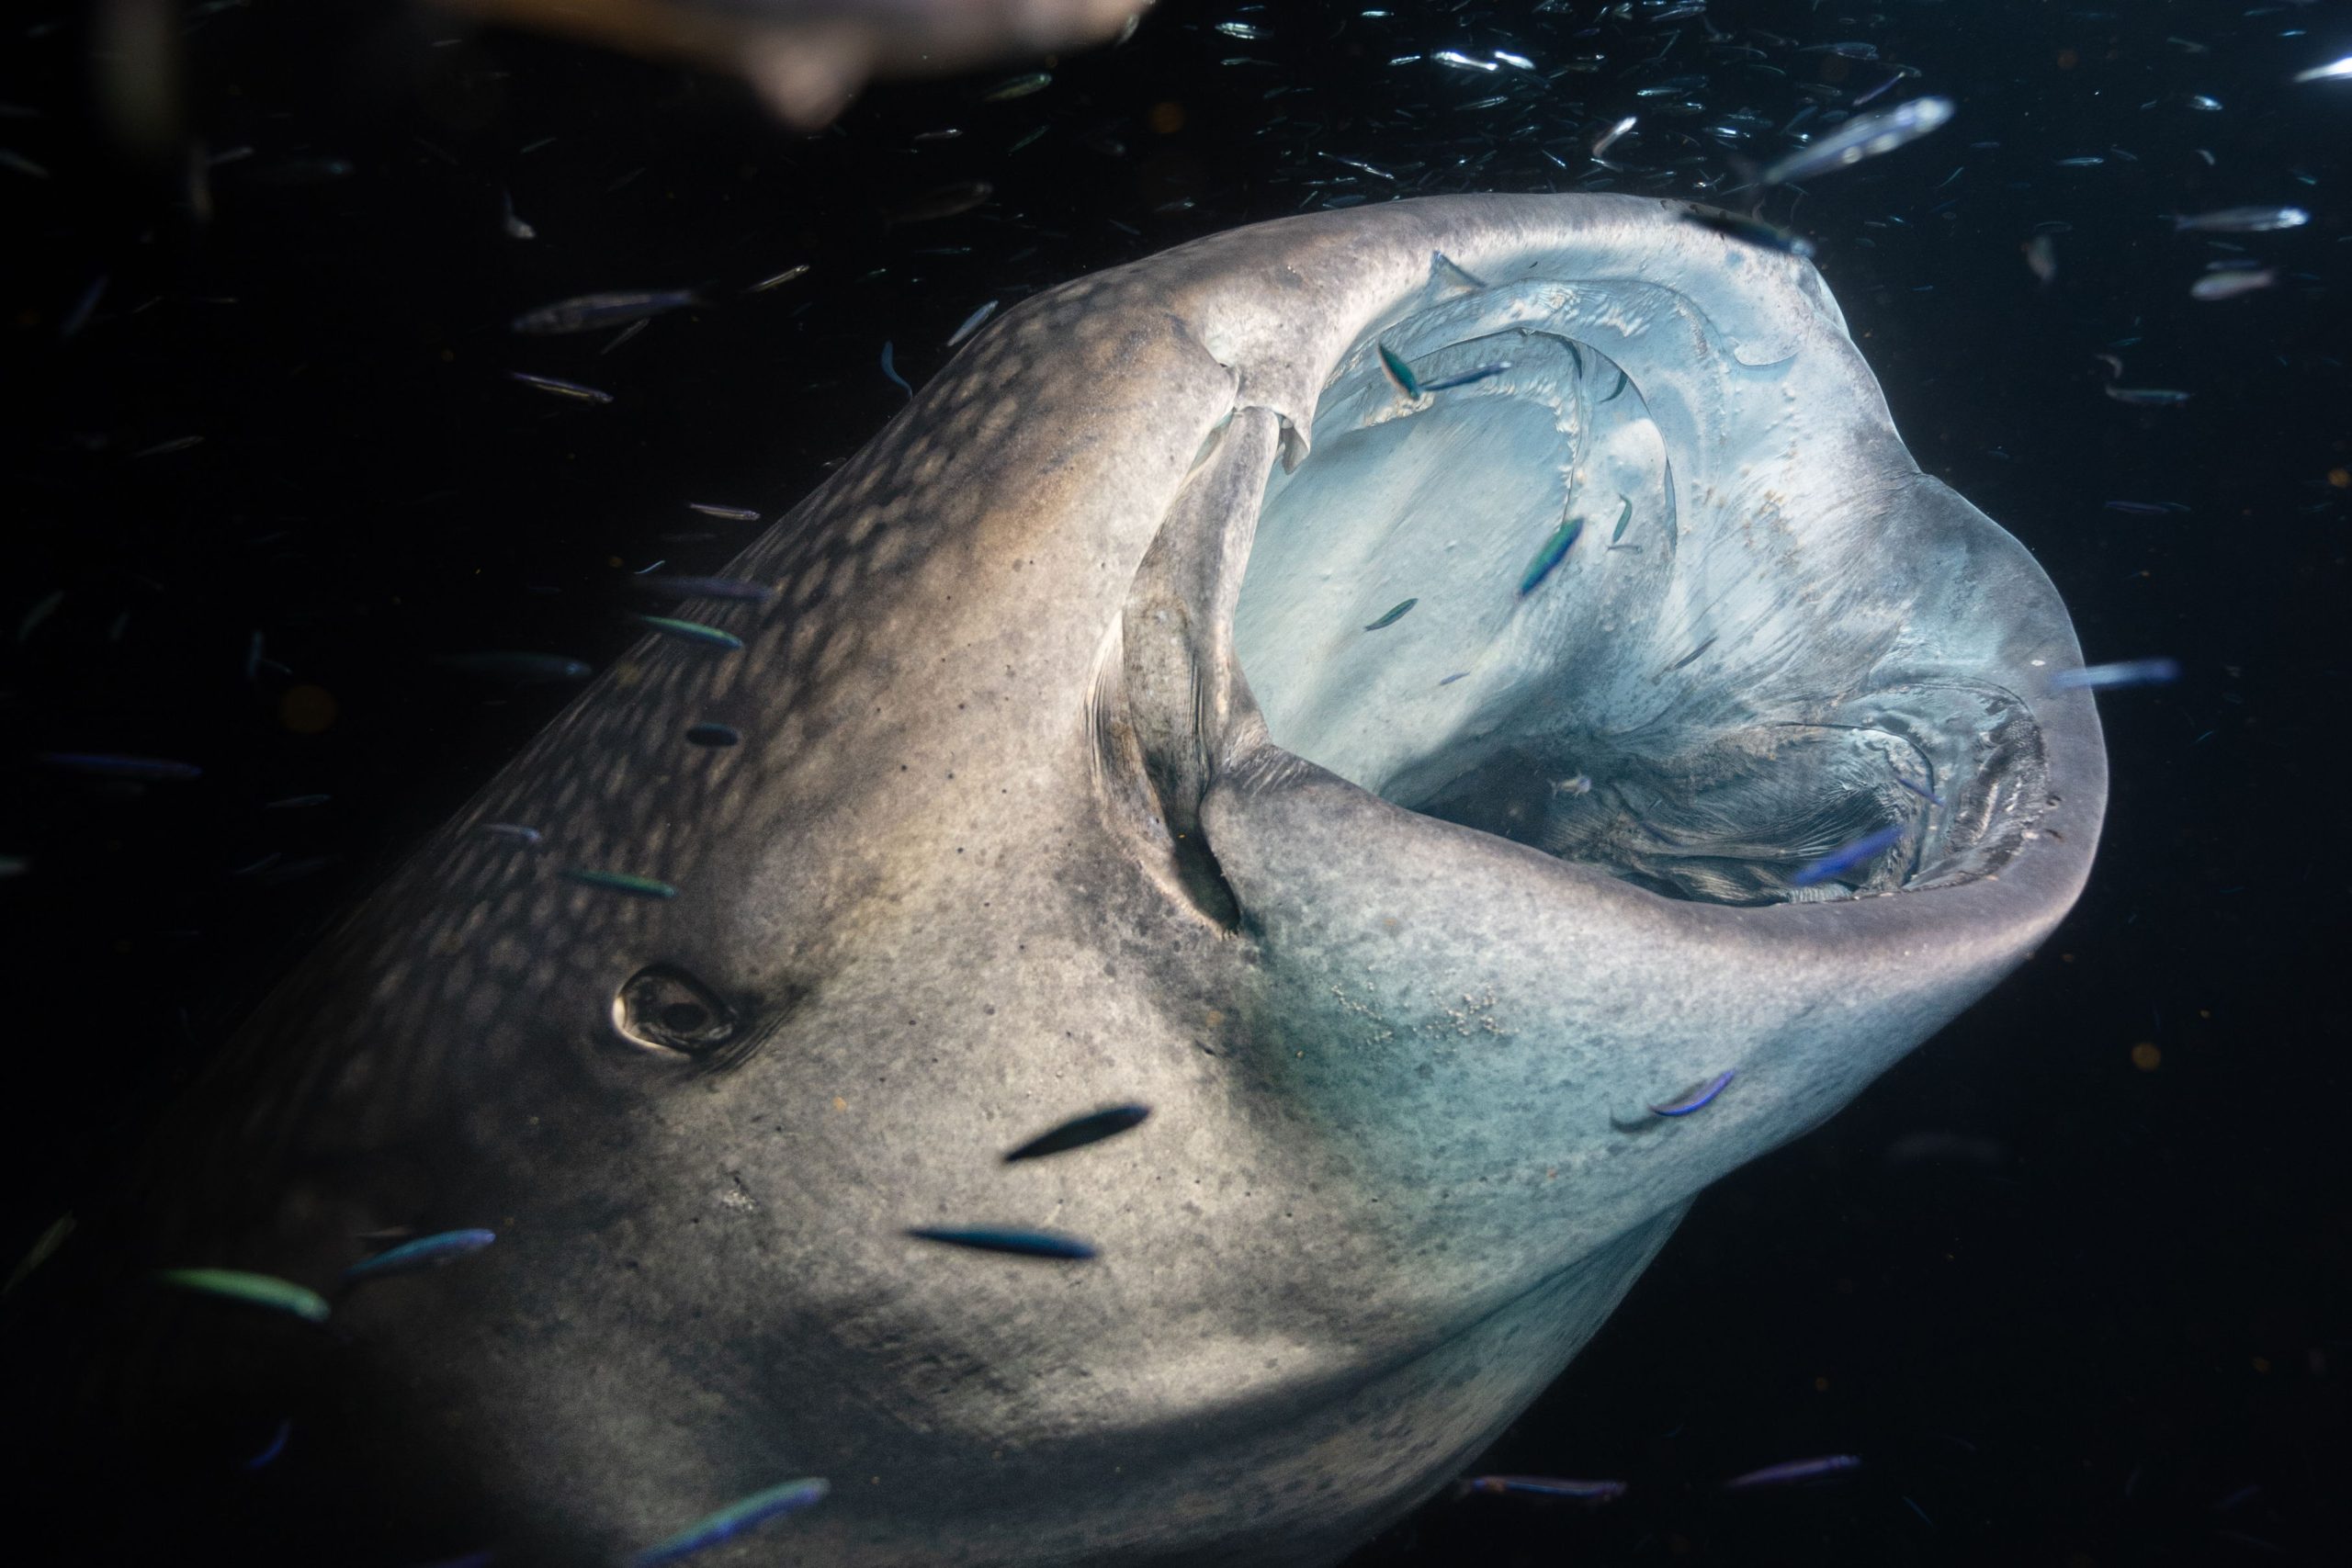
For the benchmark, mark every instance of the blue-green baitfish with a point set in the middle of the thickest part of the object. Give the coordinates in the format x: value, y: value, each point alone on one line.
x: 787, y: 1497
x: 260, y: 1289
x: 424, y: 1252
x: 1467, y: 378
x: 621, y: 882
x: 1840, y: 860
x: 1544, y: 1486
x: 1393, y: 616
x: 511, y: 666
x: 1555, y: 551
x: 1081, y: 1130
x: 1400, y: 374
x: 1696, y: 1098
x: 1018, y: 1243
x: 1623, y: 518
x: 693, y: 632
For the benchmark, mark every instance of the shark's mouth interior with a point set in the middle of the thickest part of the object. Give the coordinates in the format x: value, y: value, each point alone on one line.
x: 1707, y: 695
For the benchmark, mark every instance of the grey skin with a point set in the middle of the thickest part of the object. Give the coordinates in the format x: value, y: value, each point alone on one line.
x: 1007, y: 839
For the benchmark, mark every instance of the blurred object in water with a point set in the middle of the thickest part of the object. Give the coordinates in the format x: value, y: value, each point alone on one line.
x: 808, y: 58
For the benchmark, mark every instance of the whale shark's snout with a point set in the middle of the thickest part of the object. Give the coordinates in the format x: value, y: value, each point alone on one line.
x: 1464, y: 709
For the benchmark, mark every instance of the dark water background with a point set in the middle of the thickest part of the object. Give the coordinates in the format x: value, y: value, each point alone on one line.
x: 2119, y: 1296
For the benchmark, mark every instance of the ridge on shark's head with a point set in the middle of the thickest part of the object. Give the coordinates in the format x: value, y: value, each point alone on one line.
x: 1380, y: 753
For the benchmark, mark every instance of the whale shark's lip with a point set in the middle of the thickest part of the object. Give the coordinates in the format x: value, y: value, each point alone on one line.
x: 1775, y: 638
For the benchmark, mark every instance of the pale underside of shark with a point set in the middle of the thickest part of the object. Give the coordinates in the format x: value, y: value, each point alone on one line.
x: 1399, y: 937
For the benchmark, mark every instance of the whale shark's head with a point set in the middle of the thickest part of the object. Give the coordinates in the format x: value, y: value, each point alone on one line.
x: 1401, y: 694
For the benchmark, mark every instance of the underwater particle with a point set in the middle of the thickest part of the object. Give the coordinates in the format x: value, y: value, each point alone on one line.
x: 620, y: 882
x: 514, y: 226
x: 307, y: 709
x: 514, y: 830
x: 1696, y: 1098
x: 1167, y: 118
x: 1793, y: 1470
x: 2040, y: 258
x: 276, y: 1446
x: 2146, y: 1057
x: 2340, y: 478
x: 774, y: 1503
x: 1014, y: 1243
x: 1393, y: 616
x: 1019, y: 86
x: 424, y: 1252
x: 42, y: 609
x: 692, y: 631
x: 1595, y: 1491
x: 110, y: 765
x: 14, y: 865
x: 1840, y: 861
x: 505, y: 665
x: 555, y: 385
x: 1553, y: 551
x: 732, y: 587
x: 1079, y: 1132
x: 2107, y: 677
x: 595, y: 312
x: 709, y: 734
x: 260, y: 1289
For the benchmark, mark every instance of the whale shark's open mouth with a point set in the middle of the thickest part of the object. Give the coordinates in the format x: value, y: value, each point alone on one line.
x: 1577, y: 564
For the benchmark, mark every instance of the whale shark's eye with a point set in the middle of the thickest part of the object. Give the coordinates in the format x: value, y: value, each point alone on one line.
x: 665, y: 1008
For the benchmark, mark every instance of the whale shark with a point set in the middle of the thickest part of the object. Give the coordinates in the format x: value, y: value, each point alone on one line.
x: 1462, y: 713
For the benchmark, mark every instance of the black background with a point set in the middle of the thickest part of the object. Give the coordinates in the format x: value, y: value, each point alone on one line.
x: 2078, y: 1345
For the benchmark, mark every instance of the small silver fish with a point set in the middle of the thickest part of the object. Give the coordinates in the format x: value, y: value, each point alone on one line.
x: 2230, y: 285
x: 2241, y: 220
x: 972, y: 324
x: 1864, y: 138
x: 779, y: 280
x: 1610, y: 137
x: 1794, y: 1471
x: 2149, y: 397
x: 2334, y: 71
x: 557, y: 387
x: 2107, y: 677
x: 1018, y: 87
x: 595, y: 312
